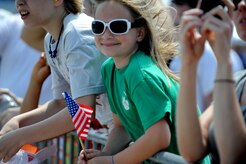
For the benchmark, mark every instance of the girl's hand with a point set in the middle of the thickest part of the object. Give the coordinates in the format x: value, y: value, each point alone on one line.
x: 218, y: 31
x: 10, y: 144
x: 96, y: 160
x: 230, y: 6
x: 41, y: 70
x: 9, y: 113
x: 91, y: 153
x: 11, y: 125
x: 192, y: 43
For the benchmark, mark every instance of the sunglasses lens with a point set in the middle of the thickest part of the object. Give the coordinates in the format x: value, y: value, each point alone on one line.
x: 118, y: 26
x: 97, y: 27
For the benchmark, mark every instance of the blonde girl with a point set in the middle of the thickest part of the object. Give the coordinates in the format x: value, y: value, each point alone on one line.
x: 138, y: 38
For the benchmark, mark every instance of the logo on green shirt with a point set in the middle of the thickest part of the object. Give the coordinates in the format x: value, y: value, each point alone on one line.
x: 125, y: 101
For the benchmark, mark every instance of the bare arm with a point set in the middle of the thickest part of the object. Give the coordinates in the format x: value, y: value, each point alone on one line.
x: 191, y: 134
x: 33, y: 116
x: 118, y: 138
x: 228, y: 120
x: 43, y: 124
x: 51, y: 108
x: 230, y: 131
x: 148, y: 144
x: 34, y: 37
x: 39, y: 74
x: 117, y: 141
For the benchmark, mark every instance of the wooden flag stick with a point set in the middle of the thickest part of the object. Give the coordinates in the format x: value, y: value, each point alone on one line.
x: 83, y: 147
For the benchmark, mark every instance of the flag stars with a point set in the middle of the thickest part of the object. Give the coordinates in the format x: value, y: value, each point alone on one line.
x: 81, y: 116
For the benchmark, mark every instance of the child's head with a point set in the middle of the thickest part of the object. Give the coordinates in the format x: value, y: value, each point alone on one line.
x: 41, y: 12
x: 154, y: 33
x: 119, y: 39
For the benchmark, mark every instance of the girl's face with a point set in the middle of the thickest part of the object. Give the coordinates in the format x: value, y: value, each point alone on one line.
x: 239, y: 18
x: 35, y: 12
x: 116, y: 45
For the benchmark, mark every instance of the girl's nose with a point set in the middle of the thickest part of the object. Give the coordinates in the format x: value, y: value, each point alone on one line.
x: 107, y: 33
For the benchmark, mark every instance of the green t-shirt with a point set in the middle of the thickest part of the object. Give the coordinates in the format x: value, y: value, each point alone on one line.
x: 140, y: 94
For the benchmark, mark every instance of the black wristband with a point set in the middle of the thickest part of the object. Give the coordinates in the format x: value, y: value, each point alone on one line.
x: 224, y: 81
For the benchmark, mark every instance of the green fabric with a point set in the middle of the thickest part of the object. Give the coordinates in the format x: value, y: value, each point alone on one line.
x: 140, y: 94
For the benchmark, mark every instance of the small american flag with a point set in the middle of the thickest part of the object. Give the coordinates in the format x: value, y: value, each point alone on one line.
x: 81, y: 116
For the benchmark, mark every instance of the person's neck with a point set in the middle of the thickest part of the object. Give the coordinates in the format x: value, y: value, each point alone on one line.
x: 122, y: 61
x: 55, y: 25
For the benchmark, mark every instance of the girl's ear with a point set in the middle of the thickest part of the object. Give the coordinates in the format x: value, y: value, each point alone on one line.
x: 141, y: 33
x: 58, y: 2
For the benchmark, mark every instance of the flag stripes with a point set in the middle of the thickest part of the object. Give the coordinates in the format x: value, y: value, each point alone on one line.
x: 81, y: 116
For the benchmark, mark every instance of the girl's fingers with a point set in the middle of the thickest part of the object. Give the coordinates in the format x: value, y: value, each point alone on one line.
x: 195, y: 12
x: 230, y: 6
x: 219, y: 27
x: 91, y: 153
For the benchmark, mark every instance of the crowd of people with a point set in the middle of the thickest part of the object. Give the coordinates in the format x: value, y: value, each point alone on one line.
x: 158, y: 80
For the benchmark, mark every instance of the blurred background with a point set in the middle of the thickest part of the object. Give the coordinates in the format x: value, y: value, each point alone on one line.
x: 8, y: 4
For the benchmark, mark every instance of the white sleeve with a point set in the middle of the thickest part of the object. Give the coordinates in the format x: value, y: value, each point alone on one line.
x: 206, y: 71
x: 236, y: 61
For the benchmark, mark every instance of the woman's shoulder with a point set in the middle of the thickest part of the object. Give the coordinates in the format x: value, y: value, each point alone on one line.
x: 78, y: 24
x: 77, y: 30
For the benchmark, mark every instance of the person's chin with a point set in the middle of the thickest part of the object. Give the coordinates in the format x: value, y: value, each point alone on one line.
x: 243, y: 36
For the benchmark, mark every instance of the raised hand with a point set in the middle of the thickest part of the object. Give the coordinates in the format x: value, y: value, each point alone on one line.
x: 41, y: 70
x: 218, y: 32
x: 192, y: 42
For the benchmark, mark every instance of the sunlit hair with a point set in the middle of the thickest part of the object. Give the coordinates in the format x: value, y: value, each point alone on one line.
x: 73, y: 6
x: 91, y: 6
x: 159, y: 41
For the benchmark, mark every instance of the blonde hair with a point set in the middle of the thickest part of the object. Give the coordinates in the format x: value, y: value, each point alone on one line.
x: 159, y: 41
x: 73, y: 6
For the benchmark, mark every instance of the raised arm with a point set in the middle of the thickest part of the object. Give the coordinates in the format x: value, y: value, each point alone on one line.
x: 230, y: 129
x: 191, y: 134
x: 39, y: 74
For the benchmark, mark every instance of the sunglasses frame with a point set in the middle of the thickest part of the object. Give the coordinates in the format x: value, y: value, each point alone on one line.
x: 107, y: 25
